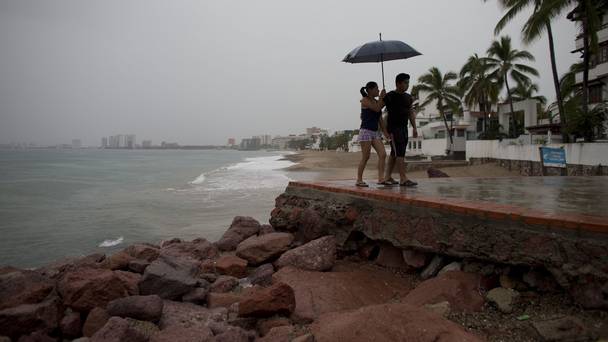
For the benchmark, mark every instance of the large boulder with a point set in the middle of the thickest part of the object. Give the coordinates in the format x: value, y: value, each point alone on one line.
x: 85, y: 288
x: 223, y: 299
x: 352, y: 287
x: 224, y: 284
x: 231, y: 265
x: 179, y: 334
x: 23, y: 287
x: 117, y: 261
x: 97, y: 318
x: 119, y: 329
x: 143, y: 251
x: 316, y: 255
x: 26, y: 318
x: 198, y: 249
x: 388, y: 322
x: 262, y: 275
x: 130, y: 280
x: 143, y: 308
x: 169, y: 277
x: 242, y: 227
x: 71, y: 325
x: 458, y: 288
x: 390, y: 256
x: 279, y: 299
x: 259, y: 249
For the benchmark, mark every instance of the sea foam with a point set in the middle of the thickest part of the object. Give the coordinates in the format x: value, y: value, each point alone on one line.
x: 111, y: 243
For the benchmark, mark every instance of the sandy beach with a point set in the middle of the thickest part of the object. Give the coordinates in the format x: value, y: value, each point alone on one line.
x: 331, y: 165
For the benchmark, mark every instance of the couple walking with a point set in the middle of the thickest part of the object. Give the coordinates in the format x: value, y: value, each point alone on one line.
x: 399, y: 107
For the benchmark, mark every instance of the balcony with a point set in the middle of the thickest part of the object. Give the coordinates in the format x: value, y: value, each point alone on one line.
x: 602, y: 36
x: 600, y: 71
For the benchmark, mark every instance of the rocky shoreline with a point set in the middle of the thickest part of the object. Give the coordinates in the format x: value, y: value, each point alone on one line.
x: 258, y: 284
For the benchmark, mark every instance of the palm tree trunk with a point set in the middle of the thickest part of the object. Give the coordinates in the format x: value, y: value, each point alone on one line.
x: 445, y: 122
x: 512, y: 117
x: 586, y: 59
x: 558, y: 92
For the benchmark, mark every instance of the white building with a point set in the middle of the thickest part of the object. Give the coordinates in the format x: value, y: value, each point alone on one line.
x: 104, y: 142
x: 130, y: 141
x: 598, y: 72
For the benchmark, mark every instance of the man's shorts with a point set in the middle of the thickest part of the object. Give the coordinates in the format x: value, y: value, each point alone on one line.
x: 398, y: 141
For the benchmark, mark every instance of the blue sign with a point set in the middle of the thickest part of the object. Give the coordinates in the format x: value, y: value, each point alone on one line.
x: 552, y: 156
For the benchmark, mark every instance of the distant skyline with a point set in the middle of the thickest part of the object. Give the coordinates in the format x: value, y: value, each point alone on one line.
x: 200, y: 72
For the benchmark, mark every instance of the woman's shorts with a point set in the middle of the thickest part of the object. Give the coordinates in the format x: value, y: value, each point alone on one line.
x: 369, y: 135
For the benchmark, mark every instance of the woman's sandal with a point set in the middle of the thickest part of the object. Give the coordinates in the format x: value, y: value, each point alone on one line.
x: 362, y: 184
x: 386, y: 183
x: 408, y: 183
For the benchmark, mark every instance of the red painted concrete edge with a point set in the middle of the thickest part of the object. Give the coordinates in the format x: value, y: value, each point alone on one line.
x: 492, y: 211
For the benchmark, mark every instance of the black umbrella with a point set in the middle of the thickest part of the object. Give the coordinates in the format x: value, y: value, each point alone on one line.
x: 380, y: 51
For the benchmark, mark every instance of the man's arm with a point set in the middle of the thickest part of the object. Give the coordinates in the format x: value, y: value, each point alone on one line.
x: 413, y: 120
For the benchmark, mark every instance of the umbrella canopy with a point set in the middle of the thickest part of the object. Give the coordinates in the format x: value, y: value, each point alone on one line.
x: 380, y: 51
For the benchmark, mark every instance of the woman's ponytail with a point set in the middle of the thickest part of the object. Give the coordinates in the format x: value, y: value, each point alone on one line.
x: 363, y: 92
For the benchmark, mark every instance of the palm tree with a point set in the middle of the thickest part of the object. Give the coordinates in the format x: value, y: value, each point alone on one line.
x: 525, y: 91
x: 514, y: 7
x: 479, y: 87
x: 587, y: 12
x: 439, y: 88
x: 504, y: 60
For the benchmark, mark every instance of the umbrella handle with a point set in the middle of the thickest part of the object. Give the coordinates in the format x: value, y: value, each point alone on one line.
x: 382, y: 64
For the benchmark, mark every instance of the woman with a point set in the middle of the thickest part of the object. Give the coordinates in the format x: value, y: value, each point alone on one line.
x: 369, y: 133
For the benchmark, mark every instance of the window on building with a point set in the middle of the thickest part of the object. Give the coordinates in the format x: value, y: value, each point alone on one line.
x: 419, y: 144
x: 595, y: 93
x: 602, y: 54
x: 460, y: 132
x: 409, y: 145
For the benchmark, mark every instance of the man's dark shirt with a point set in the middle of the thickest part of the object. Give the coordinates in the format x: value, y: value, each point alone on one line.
x: 399, y: 107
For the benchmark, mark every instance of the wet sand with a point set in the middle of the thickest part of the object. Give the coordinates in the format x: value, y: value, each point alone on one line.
x: 331, y: 165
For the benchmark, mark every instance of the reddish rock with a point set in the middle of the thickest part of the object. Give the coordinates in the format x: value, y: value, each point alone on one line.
x: 71, y: 325
x: 266, y: 229
x: 196, y: 296
x: 369, y: 250
x: 388, y: 322
x: 231, y: 265
x: 259, y: 249
x: 130, y: 280
x: 311, y: 226
x: 225, y: 300
x: 352, y: 287
x: 56, y: 269
x: 436, y: 173
x: 188, y: 315
x: 117, y: 261
x: 138, y: 266
x: 26, y: 318
x: 169, y: 277
x: 390, y: 256
x: 264, y: 325
x: 460, y: 289
x: 97, y: 318
x: 167, y: 243
x: 264, y: 302
x: 433, y: 267
x: 262, y: 275
x: 279, y: 334
x: 224, y: 284
x: 199, y: 249
x: 208, y: 266
x: 241, y: 228
x: 9, y: 269
x: 143, y: 308
x: 37, y: 336
x: 415, y: 258
x: 143, y: 252
x: 179, y: 334
x: 85, y: 288
x: 233, y: 334
x: 23, y: 287
x: 119, y: 329
x: 316, y: 255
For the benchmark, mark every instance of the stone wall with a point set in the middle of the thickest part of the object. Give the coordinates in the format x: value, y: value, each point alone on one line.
x: 571, y: 255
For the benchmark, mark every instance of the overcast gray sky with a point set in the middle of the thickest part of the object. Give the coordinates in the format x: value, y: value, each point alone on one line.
x: 199, y: 72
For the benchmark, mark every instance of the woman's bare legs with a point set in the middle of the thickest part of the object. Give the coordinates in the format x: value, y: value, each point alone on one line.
x: 381, y: 152
x: 366, y: 148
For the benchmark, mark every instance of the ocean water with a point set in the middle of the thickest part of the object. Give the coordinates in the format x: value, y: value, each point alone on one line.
x: 59, y: 203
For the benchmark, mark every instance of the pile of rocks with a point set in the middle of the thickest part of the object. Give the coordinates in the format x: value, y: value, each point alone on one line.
x: 254, y: 284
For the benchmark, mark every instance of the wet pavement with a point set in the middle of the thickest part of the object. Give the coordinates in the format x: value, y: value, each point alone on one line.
x: 552, y: 195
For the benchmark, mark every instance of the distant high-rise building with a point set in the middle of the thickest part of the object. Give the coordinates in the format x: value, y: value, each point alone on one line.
x: 104, y: 142
x: 130, y: 141
x: 146, y: 144
x: 76, y: 143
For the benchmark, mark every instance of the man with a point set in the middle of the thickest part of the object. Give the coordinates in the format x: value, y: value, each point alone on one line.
x: 399, y: 106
